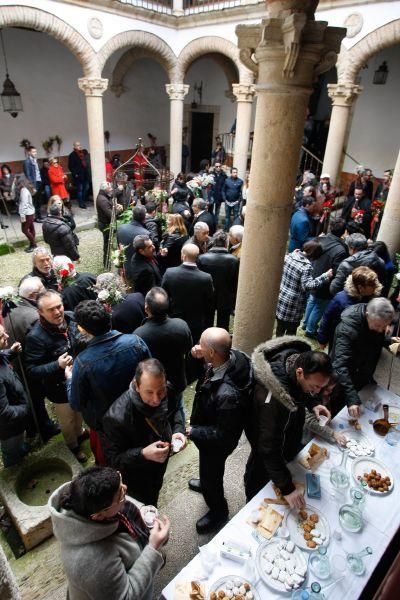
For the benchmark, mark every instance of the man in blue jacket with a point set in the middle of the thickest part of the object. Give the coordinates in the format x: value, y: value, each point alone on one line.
x: 104, y: 370
x: 302, y: 225
x: 232, y: 196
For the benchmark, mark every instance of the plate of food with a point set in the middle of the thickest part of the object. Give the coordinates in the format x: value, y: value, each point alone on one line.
x: 308, y: 528
x: 233, y: 587
x: 358, y: 444
x: 375, y: 474
x: 281, y: 565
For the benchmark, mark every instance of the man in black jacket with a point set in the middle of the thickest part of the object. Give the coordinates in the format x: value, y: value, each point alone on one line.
x: 144, y: 272
x: 216, y: 191
x: 104, y: 208
x: 126, y: 234
x: 169, y: 340
x: 360, y: 256
x: 201, y: 215
x: 59, y: 235
x: 224, y: 270
x: 43, y: 268
x: 286, y: 371
x: 78, y: 165
x: 14, y: 409
x: 359, y: 339
x: 216, y: 424
x: 153, y: 224
x: 358, y: 202
x: 334, y: 251
x: 139, y: 429
x: 190, y: 292
x: 76, y: 287
x: 50, y: 347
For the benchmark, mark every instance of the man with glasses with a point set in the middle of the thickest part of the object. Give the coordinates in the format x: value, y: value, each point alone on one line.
x: 107, y: 551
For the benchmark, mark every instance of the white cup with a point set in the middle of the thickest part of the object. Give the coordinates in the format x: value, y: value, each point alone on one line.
x: 322, y: 420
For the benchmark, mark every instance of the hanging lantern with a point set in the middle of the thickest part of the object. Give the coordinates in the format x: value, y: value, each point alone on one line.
x: 10, y: 98
x: 381, y: 74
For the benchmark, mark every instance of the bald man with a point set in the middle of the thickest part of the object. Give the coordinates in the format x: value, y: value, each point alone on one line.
x: 190, y: 292
x: 220, y: 406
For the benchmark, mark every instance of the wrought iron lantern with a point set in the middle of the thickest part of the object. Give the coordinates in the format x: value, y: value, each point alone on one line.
x: 381, y: 74
x: 10, y: 98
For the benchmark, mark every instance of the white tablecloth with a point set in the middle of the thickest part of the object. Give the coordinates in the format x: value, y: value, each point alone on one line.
x: 381, y: 513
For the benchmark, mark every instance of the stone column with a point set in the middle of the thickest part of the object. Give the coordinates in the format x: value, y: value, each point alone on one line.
x: 176, y: 93
x: 244, y: 95
x: 389, y: 231
x: 177, y: 8
x: 93, y: 89
x: 343, y: 96
x: 289, y: 50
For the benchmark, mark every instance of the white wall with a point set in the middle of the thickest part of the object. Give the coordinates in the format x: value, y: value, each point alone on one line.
x: 375, y: 130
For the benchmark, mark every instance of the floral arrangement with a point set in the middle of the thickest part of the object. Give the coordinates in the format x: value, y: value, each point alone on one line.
x: 65, y: 274
x: 8, y: 300
x: 358, y: 215
x: 206, y: 180
x: 118, y: 256
x: 194, y: 186
x: 326, y: 209
x: 376, y: 209
x: 110, y: 290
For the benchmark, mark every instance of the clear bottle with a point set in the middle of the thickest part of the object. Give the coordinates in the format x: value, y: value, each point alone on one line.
x: 350, y: 515
x: 393, y: 437
x: 300, y: 594
x: 339, y: 477
x: 355, y: 561
x: 316, y: 592
x: 319, y: 563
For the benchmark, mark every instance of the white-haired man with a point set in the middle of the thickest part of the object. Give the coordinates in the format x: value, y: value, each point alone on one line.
x: 235, y: 240
x: 42, y: 262
x: 201, y: 237
x: 104, y: 206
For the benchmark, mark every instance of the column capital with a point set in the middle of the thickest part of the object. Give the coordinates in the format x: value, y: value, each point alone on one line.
x: 177, y: 91
x: 243, y: 92
x: 343, y: 94
x: 291, y: 47
x: 93, y: 86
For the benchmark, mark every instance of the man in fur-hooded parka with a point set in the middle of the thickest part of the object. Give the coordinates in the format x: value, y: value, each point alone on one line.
x: 282, y: 392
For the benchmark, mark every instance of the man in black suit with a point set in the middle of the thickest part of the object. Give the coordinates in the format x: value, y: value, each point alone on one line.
x: 127, y: 233
x: 162, y: 334
x: 144, y: 272
x: 201, y: 215
x: 224, y: 269
x: 200, y: 237
x: 358, y: 202
x: 191, y: 292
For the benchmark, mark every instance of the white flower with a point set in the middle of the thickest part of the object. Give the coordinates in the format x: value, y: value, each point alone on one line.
x: 103, y: 295
x: 116, y: 263
x: 398, y: 276
x: 118, y: 295
x: 6, y: 292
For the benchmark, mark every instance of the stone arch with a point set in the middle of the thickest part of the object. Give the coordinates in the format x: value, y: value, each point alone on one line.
x: 39, y: 20
x: 125, y: 63
x: 211, y: 45
x: 351, y: 61
x: 147, y: 42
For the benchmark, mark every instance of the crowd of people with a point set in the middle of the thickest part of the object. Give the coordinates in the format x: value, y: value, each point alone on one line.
x: 115, y: 353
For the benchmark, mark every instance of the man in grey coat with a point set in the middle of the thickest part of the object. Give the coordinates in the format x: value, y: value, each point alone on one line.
x: 106, y: 549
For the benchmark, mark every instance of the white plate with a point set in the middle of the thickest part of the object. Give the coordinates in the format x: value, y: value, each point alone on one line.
x: 267, y: 579
x: 293, y: 521
x: 364, y: 465
x: 358, y: 436
x: 220, y: 584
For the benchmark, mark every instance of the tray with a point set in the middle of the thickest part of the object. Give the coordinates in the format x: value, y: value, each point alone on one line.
x: 292, y: 522
x: 275, y: 584
x: 365, y: 464
x: 220, y: 584
x: 359, y: 437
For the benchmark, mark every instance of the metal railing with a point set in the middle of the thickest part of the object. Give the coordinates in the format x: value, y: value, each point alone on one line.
x: 192, y: 7
x: 310, y: 162
x: 228, y: 142
x: 160, y: 6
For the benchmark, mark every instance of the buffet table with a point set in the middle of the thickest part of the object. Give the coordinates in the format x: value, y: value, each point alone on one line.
x: 381, y: 521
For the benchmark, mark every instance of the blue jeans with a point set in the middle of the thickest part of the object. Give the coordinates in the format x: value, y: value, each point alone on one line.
x: 314, y: 310
x: 13, y: 450
x: 82, y: 188
x: 231, y: 211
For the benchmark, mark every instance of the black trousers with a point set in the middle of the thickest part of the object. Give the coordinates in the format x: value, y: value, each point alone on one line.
x: 255, y: 477
x: 145, y: 484
x: 212, y: 468
x: 106, y: 236
x: 286, y: 327
x: 223, y: 316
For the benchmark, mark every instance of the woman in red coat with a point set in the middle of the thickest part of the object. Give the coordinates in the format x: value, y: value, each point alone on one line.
x: 57, y: 179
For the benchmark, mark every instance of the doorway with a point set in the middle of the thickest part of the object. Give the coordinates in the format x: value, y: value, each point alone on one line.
x: 202, y: 138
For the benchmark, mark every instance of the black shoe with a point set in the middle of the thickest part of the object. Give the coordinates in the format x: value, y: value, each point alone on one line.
x: 50, y: 431
x: 39, y: 220
x: 195, y: 485
x: 311, y: 336
x: 211, y: 522
x: 30, y: 249
x: 82, y: 206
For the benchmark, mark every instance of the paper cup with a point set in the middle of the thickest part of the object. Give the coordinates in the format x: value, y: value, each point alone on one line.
x: 323, y: 420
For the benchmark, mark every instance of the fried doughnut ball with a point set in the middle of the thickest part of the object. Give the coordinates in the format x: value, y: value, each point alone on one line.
x: 213, y: 596
x: 311, y: 544
x: 314, y: 518
x: 303, y: 515
x: 307, y: 536
x: 307, y: 528
x: 247, y: 586
x: 221, y: 594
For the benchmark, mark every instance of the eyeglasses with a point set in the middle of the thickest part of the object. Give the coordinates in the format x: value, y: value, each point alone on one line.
x: 122, y: 496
